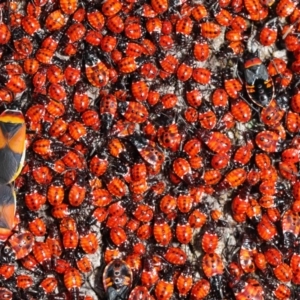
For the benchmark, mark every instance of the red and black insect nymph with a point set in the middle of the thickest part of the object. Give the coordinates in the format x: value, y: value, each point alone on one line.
x: 259, y: 84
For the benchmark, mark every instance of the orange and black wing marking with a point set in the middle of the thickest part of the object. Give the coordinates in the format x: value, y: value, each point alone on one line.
x: 12, y: 145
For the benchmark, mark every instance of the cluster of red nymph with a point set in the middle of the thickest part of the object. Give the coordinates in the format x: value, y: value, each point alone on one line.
x: 163, y: 149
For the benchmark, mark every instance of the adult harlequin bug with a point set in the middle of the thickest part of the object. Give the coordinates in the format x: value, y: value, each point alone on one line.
x: 259, y: 84
x: 117, y: 279
x: 12, y: 151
